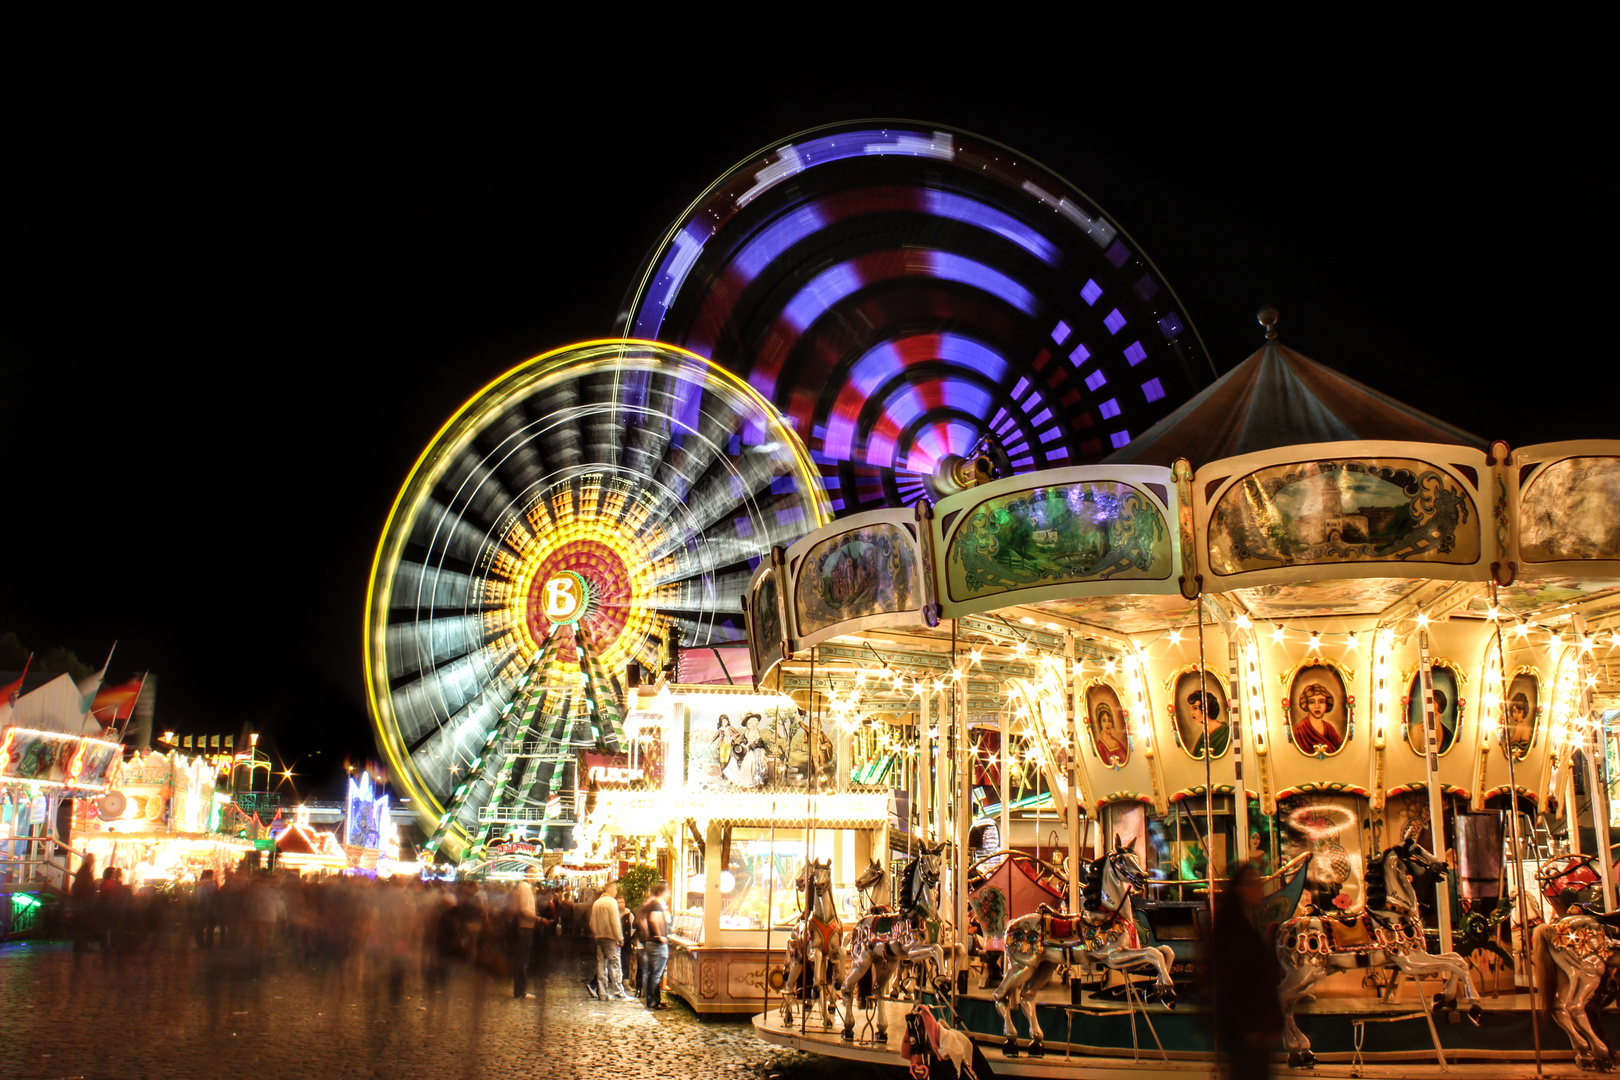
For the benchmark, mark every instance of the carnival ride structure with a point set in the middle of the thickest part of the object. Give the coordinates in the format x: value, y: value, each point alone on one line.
x: 1303, y: 650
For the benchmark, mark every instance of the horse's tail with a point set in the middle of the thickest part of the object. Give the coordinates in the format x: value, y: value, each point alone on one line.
x: 1541, y: 967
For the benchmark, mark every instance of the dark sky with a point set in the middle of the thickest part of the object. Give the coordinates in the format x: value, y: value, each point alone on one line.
x: 235, y: 308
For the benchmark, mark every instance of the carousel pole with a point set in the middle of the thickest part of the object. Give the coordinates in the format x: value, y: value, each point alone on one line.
x: 1431, y: 768
x: 925, y: 761
x: 1591, y: 747
x: 813, y: 731
x: 1505, y: 733
x: 1003, y: 776
x: 1209, y: 782
x: 1234, y: 709
x: 961, y: 805
x: 1073, y: 733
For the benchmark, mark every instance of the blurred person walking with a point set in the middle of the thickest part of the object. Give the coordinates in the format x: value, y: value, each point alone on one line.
x: 84, y: 903
x: 652, y: 924
x: 525, y: 917
x: 110, y: 909
x: 609, y: 934
x: 206, y: 910
x: 1244, y: 974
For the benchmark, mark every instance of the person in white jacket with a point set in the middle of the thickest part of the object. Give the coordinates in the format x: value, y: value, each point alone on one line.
x: 609, y: 935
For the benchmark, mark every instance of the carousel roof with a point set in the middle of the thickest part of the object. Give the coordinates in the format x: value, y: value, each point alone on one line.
x: 1279, y: 397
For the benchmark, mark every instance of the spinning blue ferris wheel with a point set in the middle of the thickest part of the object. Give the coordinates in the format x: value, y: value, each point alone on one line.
x: 911, y: 296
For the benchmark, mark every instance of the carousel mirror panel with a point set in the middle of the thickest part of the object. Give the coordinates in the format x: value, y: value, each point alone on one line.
x: 1328, y: 517
x: 867, y: 571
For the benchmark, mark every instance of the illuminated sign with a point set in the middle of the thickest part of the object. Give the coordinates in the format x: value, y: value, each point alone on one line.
x: 612, y: 774
x: 566, y: 595
x: 610, y: 770
x: 517, y: 847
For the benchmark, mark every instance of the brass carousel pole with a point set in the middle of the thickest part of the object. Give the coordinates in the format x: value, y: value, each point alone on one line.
x: 1431, y: 765
x: 1505, y: 737
x: 1234, y: 708
x: 811, y: 732
x: 1209, y: 783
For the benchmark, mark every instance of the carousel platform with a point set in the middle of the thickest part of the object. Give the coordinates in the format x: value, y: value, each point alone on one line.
x: 1095, y: 1040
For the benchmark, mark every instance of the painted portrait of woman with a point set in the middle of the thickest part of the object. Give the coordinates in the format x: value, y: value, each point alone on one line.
x: 1107, y: 722
x: 1200, y: 699
x: 1523, y: 707
x: 1445, y: 710
x: 1318, y: 713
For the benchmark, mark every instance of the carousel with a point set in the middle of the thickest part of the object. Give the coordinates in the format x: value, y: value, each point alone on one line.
x: 1351, y: 646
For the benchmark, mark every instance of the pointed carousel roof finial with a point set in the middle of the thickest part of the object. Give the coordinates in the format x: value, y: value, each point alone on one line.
x: 1268, y: 318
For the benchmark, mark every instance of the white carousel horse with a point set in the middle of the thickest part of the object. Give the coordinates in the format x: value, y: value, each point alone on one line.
x: 1577, y: 961
x: 817, y: 946
x: 1389, y: 934
x: 926, y: 1036
x: 884, y: 940
x: 1102, y: 932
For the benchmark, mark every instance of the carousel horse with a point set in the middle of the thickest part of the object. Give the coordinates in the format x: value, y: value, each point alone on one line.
x: 928, y: 1041
x: 1102, y: 932
x: 1577, y: 963
x: 817, y: 945
x: 1388, y: 934
x: 884, y: 940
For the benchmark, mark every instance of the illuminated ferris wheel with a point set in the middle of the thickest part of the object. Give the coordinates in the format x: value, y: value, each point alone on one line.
x: 909, y: 294
x: 592, y: 508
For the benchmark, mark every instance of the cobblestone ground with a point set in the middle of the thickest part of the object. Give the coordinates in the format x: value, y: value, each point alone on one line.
x: 194, y: 1013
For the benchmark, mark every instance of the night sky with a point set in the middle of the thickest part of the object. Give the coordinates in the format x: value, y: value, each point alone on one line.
x: 235, y: 309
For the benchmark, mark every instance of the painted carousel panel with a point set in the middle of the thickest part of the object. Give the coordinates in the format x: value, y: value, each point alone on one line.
x: 1531, y: 594
x: 867, y: 571
x: 1364, y: 510
x: 1126, y: 613
x: 1571, y: 511
x: 765, y: 611
x: 1330, y: 596
x: 1087, y: 531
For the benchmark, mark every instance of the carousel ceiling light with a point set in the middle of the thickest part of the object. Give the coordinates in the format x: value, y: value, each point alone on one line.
x: 1352, y: 642
x: 1277, y: 634
x: 1243, y: 622
x: 1422, y: 619
x: 1175, y: 637
x: 1019, y: 648
x: 1108, y: 666
x: 977, y: 655
x: 1027, y: 621
x: 1316, y: 641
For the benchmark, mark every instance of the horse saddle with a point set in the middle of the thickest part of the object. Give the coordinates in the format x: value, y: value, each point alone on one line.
x: 1349, y: 932
x: 1060, y: 925
x: 883, y: 925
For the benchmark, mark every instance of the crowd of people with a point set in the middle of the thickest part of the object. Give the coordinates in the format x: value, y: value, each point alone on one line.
x: 393, y: 929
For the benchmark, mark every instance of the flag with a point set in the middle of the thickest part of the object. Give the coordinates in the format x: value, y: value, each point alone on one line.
x: 230, y: 742
x: 185, y: 742
x: 9, y: 695
x: 116, y: 704
x: 8, y: 698
x: 213, y: 742
x: 91, y: 686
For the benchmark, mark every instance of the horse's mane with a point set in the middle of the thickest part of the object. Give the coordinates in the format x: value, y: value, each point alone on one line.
x: 908, y: 898
x: 1377, y: 886
x: 1091, y: 878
